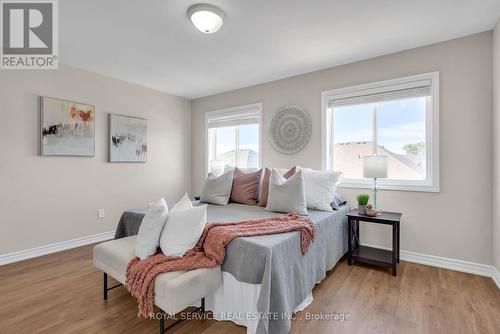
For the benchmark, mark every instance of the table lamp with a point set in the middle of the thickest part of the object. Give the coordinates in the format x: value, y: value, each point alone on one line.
x: 375, y: 166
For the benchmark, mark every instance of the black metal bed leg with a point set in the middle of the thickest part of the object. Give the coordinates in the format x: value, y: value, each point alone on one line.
x: 162, y: 322
x: 202, y: 307
x: 163, y: 316
x: 105, y: 286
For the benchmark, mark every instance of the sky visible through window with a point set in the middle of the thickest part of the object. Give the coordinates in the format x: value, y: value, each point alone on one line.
x: 225, y: 139
x: 399, y: 123
x: 249, y: 138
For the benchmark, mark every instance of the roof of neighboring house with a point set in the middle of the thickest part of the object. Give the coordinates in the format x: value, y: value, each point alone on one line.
x: 348, y: 159
x: 246, y: 157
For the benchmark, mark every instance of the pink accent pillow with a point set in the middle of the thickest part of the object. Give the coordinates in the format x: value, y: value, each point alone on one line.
x: 245, y: 186
x: 264, y: 189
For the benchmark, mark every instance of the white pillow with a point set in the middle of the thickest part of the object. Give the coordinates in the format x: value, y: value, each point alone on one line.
x: 217, y: 189
x: 148, y: 237
x: 287, y: 195
x: 320, y: 188
x: 282, y: 171
x: 183, y: 204
x: 182, y: 230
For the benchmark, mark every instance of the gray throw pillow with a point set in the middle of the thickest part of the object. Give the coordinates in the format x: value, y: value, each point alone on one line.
x: 217, y: 189
x: 287, y: 196
x: 338, y: 201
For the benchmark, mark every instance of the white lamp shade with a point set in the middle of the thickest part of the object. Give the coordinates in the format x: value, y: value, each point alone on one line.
x: 375, y: 166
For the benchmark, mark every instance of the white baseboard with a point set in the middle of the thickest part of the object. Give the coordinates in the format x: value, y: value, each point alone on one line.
x: 447, y: 263
x: 496, y: 277
x: 55, y: 247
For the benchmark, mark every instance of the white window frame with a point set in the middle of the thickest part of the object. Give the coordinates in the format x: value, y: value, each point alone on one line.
x: 431, y: 184
x: 232, y: 111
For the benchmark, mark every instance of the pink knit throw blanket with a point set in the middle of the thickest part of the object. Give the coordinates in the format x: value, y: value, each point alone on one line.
x: 208, y: 253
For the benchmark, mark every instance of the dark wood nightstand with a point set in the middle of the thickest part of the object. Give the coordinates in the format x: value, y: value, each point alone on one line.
x: 370, y: 255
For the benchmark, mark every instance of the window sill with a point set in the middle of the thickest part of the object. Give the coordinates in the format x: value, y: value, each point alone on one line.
x: 381, y: 185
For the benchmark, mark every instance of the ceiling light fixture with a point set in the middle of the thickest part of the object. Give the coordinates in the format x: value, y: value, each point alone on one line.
x: 206, y: 18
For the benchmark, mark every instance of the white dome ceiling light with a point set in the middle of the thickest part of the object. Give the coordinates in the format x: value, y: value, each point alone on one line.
x: 206, y: 18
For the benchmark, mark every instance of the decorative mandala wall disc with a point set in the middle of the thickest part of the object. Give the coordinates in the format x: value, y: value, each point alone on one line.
x: 290, y: 130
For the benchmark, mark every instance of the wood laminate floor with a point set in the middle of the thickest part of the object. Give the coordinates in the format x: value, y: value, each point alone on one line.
x: 61, y: 293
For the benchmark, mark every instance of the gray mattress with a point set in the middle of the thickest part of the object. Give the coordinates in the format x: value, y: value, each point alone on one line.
x: 274, y: 261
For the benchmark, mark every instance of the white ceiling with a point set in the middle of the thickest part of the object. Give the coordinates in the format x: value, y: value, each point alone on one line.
x: 152, y: 43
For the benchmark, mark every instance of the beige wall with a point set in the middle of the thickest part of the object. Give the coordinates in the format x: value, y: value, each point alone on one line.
x: 496, y: 132
x: 454, y: 223
x: 50, y: 199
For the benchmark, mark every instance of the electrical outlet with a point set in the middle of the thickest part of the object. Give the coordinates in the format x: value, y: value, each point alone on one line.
x: 100, y: 213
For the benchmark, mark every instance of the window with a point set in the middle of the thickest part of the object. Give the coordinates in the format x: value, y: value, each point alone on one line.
x: 397, y: 118
x: 234, y: 138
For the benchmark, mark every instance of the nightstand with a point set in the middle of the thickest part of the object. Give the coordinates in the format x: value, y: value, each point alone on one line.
x: 371, y: 255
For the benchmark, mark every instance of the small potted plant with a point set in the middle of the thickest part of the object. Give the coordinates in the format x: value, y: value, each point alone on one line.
x: 362, y: 202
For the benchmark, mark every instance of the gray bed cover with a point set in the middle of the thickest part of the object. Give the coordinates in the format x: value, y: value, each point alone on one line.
x: 274, y: 261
